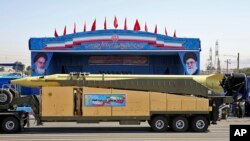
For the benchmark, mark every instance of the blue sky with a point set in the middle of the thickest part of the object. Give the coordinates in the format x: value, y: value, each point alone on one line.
x: 227, y: 21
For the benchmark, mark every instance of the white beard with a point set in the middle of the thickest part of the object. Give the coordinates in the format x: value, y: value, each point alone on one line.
x: 191, y: 71
x: 40, y: 71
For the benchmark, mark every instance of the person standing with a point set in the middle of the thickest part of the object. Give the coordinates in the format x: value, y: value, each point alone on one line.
x: 242, y: 107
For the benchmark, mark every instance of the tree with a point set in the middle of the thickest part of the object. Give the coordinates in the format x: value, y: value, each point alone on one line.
x: 245, y: 70
x: 19, y: 66
x: 28, y: 70
x: 1, y: 68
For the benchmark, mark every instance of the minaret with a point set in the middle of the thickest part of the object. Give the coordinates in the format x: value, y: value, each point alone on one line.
x: 216, y: 58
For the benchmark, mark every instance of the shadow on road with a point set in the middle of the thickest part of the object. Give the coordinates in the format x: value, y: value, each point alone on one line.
x: 52, y: 130
x: 48, y: 130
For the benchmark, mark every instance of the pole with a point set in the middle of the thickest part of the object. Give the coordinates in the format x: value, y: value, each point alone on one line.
x: 227, y: 65
x: 238, y: 62
x: 228, y: 62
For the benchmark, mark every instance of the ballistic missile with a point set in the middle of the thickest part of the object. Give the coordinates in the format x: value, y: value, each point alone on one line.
x: 202, y: 85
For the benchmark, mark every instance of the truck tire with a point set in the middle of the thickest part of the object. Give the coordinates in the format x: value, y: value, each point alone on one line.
x: 179, y: 124
x: 5, y: 97
x: 10, y: 125
x: 159, y: 123
x: 199, y: 124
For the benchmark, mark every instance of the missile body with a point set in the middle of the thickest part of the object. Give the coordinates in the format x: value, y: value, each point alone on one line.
x: 178, y: 84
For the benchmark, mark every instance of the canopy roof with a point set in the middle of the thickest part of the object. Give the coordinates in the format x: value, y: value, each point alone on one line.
x: 114, y: 40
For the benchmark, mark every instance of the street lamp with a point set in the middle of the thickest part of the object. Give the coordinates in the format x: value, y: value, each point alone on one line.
x: 228, y: 61
x: 238, y: 61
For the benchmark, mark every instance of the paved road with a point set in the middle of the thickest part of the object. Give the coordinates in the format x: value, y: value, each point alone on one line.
x: 112, y: 131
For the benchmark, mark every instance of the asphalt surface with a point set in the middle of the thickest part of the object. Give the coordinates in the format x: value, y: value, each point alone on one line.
x: 57, y: 131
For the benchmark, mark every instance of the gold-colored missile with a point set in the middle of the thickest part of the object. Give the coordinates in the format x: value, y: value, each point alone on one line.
x: 207, y: 81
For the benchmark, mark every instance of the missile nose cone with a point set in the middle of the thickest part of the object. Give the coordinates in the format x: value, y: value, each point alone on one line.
x: 36, y: 81
x: 15, y: 81
x: 21, y: 81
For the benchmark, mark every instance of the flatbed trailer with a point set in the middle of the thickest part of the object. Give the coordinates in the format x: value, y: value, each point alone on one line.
x: 86, y: 98
x: 140, y: 107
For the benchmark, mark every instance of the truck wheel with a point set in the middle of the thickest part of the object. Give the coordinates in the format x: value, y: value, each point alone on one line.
x: 199, y: 124
x: 159, y: 124
x: 10, y: 125
x: 5, y: 97
x: 179, y: 124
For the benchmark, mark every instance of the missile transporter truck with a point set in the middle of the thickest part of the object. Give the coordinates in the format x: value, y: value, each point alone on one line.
x: 176, y: 102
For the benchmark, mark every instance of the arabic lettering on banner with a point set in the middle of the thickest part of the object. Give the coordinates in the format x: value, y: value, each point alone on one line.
x: 95, y: 100
x: 114, y: 46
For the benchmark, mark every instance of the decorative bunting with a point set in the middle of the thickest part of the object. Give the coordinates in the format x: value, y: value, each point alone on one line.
x: 166, y: 33
x: 64, y: 31
x: 146, y: 27
x: 174, y: 34
x: 115, y: 23
x: 155, y: 29
x: 55, y: 33
x: 84, y: 28
x: 137, y: 25
x: 93, y: 26
x: 125, y: 24
x: 74, y: 28
x: 105, y: 24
